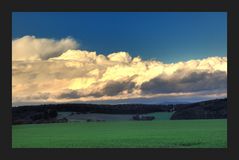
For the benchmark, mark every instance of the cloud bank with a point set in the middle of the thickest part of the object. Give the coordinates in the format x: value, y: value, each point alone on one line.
x: 47, y: 70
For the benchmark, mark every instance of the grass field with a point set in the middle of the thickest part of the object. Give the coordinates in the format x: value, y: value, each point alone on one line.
x: 123, y: 134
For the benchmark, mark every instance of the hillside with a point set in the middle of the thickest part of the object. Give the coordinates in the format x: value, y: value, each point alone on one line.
x: 214, y: 109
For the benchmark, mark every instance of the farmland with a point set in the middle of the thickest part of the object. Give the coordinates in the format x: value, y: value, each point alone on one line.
x: 76, y: 117
x: 123, y: 134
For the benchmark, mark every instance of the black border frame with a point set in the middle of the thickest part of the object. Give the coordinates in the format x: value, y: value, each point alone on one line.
x: 6, y: 151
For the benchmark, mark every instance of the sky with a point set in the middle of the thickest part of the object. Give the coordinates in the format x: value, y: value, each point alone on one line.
x: 118, y: 57
x: 166, y: 36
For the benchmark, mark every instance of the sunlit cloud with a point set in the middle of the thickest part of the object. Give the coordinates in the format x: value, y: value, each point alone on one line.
x: 32, y: 48
x: 47, y: 70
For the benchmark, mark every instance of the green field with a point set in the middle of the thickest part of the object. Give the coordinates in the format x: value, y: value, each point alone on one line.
x: 123, y: 134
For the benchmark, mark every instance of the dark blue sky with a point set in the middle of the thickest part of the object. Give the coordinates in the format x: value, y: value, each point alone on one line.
x: 166, y: 36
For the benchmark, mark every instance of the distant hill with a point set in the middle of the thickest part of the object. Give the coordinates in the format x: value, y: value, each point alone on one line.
x: 213, y: 109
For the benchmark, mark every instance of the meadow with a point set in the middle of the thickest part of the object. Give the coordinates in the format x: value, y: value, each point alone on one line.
x: 123, y: 134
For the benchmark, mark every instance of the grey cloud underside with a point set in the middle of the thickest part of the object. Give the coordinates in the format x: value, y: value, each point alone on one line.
x: 112, y: 88
x: 196, y: 81
x: 69, y: 95
x: 39, y: 96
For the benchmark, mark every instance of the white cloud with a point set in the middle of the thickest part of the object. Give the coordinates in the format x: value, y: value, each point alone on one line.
x: 63, y: 74
x: 120, y: 57
x: 32, y: 48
